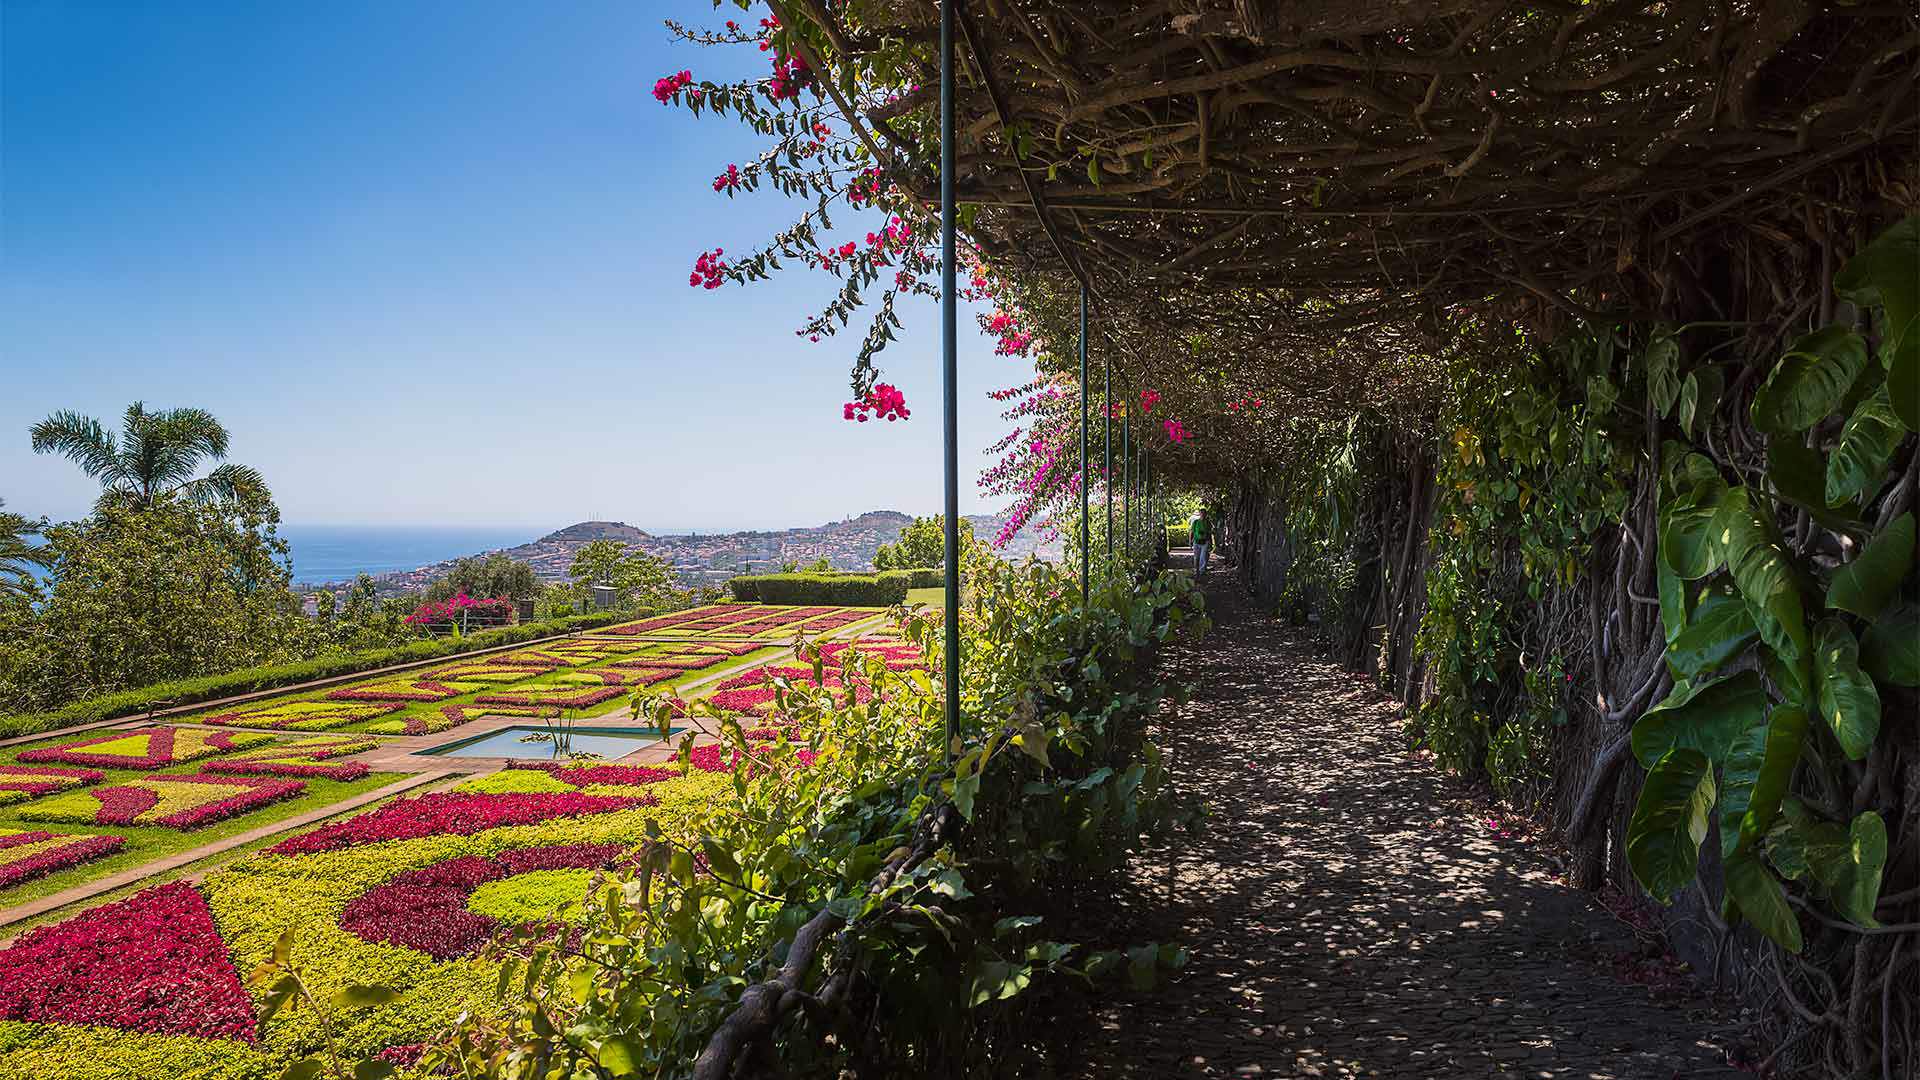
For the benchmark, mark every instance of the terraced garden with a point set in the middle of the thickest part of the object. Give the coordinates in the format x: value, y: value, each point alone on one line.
x: 404, y: 890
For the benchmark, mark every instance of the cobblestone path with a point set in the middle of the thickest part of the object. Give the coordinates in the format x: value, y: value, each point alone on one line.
x: 1349, y: 912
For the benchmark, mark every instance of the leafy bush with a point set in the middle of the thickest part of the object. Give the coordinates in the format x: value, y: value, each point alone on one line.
x: 1179, y: 536
x: 883, y: 589
x: 272, y: 676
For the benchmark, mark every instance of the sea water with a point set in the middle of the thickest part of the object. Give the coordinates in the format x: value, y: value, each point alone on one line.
x: 325, y: 553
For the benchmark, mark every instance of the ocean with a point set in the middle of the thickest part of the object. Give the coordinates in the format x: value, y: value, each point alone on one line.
x: 339, y: 552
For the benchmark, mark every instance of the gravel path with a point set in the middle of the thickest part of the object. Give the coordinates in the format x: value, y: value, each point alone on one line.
x: 1351, y: 913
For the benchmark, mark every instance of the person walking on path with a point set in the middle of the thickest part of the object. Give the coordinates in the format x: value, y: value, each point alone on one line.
x: 1201, y: 533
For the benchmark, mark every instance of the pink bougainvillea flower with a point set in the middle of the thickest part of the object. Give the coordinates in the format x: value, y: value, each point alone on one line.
x: 1177, y: 431
x: 884, y: 401
x: 1148, y: 399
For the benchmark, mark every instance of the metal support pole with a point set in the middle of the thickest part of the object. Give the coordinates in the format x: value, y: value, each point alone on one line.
x: 1086, y: 545
x: 1106, y: 448
x: 1151, y: 527
x: 1126, y: 487
x: 949, y: 373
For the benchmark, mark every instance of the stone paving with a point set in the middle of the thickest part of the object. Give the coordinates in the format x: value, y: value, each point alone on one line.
x: 1348, y: 910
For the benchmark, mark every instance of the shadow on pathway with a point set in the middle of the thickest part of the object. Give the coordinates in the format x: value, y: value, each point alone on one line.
x: 1349, y: 914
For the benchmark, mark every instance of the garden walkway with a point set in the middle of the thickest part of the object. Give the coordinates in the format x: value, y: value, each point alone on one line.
x: 1351, y: 913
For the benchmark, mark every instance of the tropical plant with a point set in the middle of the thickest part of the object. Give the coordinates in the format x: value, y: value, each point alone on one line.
x: 490, y: 575
x: 153, y: 457
x: 17, y: 556
x: 595, y: 562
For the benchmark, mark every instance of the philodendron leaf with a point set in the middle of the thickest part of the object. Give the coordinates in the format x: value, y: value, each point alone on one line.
x: 1891, y: 649
x: 1686, y: 524
x: 1705, y: 718
x: 1848, y: 700
x: 1762, y: 571
x: 1675, y: 611
x: 1786, y: 735
x: 1801, y: 840
x: 1758, y: 894
x: 1798, y: 475
x: 1739, y: 772
x: 1856, y: 884
x: 1882, y: 275
x: 1699, y: 396
x: 1719, y: 630
x: 1670, y: 821
x: 1663, y: 373
x: 1810, y: 381
x: 1872, y: 580
x: 1858, y: 465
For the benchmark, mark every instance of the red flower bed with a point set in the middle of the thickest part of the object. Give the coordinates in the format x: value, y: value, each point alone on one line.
x: 587, y: 775
x: 82, y: 849
x: 342, y: 770
x: 744, y: 700
x: 681, y: 663
x: 591, y: 695
x: 159, y: 750
x: 254, y: 792
x: 45, y: 779
x: 426, y: 909
x: 423, y: 690
x: 452, y: 813
x: 151, y: 963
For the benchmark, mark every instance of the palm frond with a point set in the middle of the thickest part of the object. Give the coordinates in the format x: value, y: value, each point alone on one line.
x: 228, y: 485
x: 81, y: 440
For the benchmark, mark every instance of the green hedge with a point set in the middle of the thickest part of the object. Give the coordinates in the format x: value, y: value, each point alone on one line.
x: 882, y: 589
x: 927, y: 577
x: 272, y: 676
x: 1177, y: 536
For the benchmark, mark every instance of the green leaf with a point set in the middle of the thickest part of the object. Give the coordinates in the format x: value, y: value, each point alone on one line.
x: 1663, y: 373
x: 1798, y: 475
x: 1856, y: 883
x: 1810, y: 381
x: 1802, y: 840
x: 1700, y: 397
x: 1739, y: 771
x: 620, y: 1057
x: 1762, y: 900
x: 998, y: 980
x: 1686, y: 525
x: 373, y: 1069
x: 1882, y: 275
x: 1891, y: 650
x: 304, y: 1069
x: 1719, y: 630
x: 1670, y: 821
x: 963, y: 791
x: 1674, y: 608
x: 1705, y: 718
x: 364, y: 996
x: 1858, y: 465
x: 1786, y: 734
x: 278, y: 996
x: 1872, y: 580
x: 720, y: 860
x: 1848, y: 700
x: 1763, y: 572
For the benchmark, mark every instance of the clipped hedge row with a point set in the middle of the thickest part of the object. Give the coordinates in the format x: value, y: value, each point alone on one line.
x: 1179, y: 536
x: 882, y: 589
x: 273, y: 676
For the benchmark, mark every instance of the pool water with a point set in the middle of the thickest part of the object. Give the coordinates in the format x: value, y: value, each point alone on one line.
x: 609, y: 743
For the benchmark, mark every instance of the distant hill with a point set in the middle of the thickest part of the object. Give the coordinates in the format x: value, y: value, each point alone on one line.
x: 597, y: 530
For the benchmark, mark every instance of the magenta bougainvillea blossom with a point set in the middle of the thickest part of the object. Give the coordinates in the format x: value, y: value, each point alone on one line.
x: 884, y: 401
x: 708, y: 270
x: 1148, y: 399
x: 452, y: 813
x: 1176, y: 431
x: 668, y: 85
x: 153, y: 963
x: 491, y: 611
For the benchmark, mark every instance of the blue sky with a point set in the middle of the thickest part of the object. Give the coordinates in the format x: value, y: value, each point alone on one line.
x: 428, y: 262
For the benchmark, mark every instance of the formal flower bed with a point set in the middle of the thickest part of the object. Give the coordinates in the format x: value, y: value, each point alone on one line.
x: 528, y: 658
x: 18, y: 783
x: 556, y: 697
x: 25, y: 854
x: 151, y: 748
x: 170, y: 800
x: 448, y: 717
x: 304, y: 715
x: 150, y: 963
x: 301, y: 757
x: 484, y: 673
x: 447, y: 813
x: 406, y: 690
x: 426, y: 909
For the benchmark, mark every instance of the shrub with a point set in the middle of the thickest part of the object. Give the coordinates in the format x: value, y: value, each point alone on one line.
x: 927, y: 577
x: 1179, y: 536
x: 272, y: 676
x: 881, y: 589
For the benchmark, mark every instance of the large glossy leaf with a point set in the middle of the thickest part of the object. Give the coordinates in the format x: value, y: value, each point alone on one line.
x: 1686, y: 525
x: 1856, y: 882
x: 1871, y: 581
x: 1699, y: 397
x: 1799, y: 475
x: 1858, y: 465
x: 1663, y: 373
x: 1848, y: 700
x: 1891, y: 650
x: 1739, y: 773
x: 1882, y: 275
x: 1810, y: 381
x: 1719, y: 629
x: 1705, y: 718
x: 1675, y: 611
x: 1801, y: 840
x: 1759, y: 896
x: 1670, y: 821
x: 1744, y: 531
x: 1786, y: 735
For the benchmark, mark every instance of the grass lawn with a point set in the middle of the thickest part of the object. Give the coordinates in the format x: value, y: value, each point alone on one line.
x: 932, y: 597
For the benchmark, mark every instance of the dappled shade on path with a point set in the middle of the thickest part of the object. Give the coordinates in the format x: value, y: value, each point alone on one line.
x: 1349, y: 911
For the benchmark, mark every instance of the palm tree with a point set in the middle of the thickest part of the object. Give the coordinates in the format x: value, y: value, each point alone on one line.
x: 154, y: 457
x: 16, y: 555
